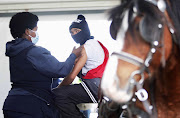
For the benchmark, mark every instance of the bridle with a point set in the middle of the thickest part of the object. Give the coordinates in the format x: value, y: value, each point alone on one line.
x: 141, y: 93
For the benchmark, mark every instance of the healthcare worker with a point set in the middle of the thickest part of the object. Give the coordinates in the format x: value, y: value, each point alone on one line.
x: 89, y: 66
x: 31, y: 71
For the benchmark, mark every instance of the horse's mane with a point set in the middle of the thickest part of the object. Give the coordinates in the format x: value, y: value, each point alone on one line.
x: 174, y: 11
x: 144, y: 7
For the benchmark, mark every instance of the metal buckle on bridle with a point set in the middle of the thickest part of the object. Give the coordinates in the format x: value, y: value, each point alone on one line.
x: 141, y: 93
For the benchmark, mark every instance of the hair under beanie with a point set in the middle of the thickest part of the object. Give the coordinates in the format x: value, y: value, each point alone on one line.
x: 84, y: 34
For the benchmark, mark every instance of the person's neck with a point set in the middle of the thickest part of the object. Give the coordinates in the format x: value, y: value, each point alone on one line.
x: 26, y: 37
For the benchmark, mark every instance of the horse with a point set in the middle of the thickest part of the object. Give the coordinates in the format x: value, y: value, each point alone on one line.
x: 142, y: 80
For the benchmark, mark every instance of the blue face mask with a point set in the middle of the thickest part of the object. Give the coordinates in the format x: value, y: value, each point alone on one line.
x: 36, y: 38
x: 81, y: 37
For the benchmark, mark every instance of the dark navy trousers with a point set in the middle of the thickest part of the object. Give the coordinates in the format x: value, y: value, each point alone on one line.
x: 27, y: 105
x: 67, y: 98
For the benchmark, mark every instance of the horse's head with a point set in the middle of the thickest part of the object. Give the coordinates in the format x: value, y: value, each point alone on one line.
x: 148, y: 35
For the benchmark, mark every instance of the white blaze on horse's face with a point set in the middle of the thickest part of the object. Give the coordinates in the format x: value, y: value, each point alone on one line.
x: 123, y: 28
x: 110, y: 80
x: 110, y: 83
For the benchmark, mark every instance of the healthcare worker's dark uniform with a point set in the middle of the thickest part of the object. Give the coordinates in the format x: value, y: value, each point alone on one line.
x: 31, y: 71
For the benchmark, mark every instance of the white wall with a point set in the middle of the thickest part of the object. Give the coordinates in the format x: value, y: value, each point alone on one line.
x: 4, y: 64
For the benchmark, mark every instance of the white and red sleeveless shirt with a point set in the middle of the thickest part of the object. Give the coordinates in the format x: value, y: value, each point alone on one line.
x: 97, y: 57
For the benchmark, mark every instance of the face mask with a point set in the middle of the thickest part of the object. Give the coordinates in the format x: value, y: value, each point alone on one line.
x: 81, y: 37
x: 36, y: 38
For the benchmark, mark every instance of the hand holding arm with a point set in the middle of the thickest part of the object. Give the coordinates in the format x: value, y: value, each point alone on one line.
x: 77, y: 68
x: 77, y: 51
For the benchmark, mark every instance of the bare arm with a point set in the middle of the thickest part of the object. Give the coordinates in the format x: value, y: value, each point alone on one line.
x: 77, y: 68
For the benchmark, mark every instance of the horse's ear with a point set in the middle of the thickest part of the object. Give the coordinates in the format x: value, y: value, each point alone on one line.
x: 113, y: 33
x: 114, y: 27
x: 148, y: 28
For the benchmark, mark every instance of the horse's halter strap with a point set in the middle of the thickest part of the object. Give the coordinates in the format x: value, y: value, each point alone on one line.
x: 129, y: 58
x: 141, y: 93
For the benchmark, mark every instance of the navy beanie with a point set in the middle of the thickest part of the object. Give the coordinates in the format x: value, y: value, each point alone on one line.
x: 80, y: 23
x: 84, y: 35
